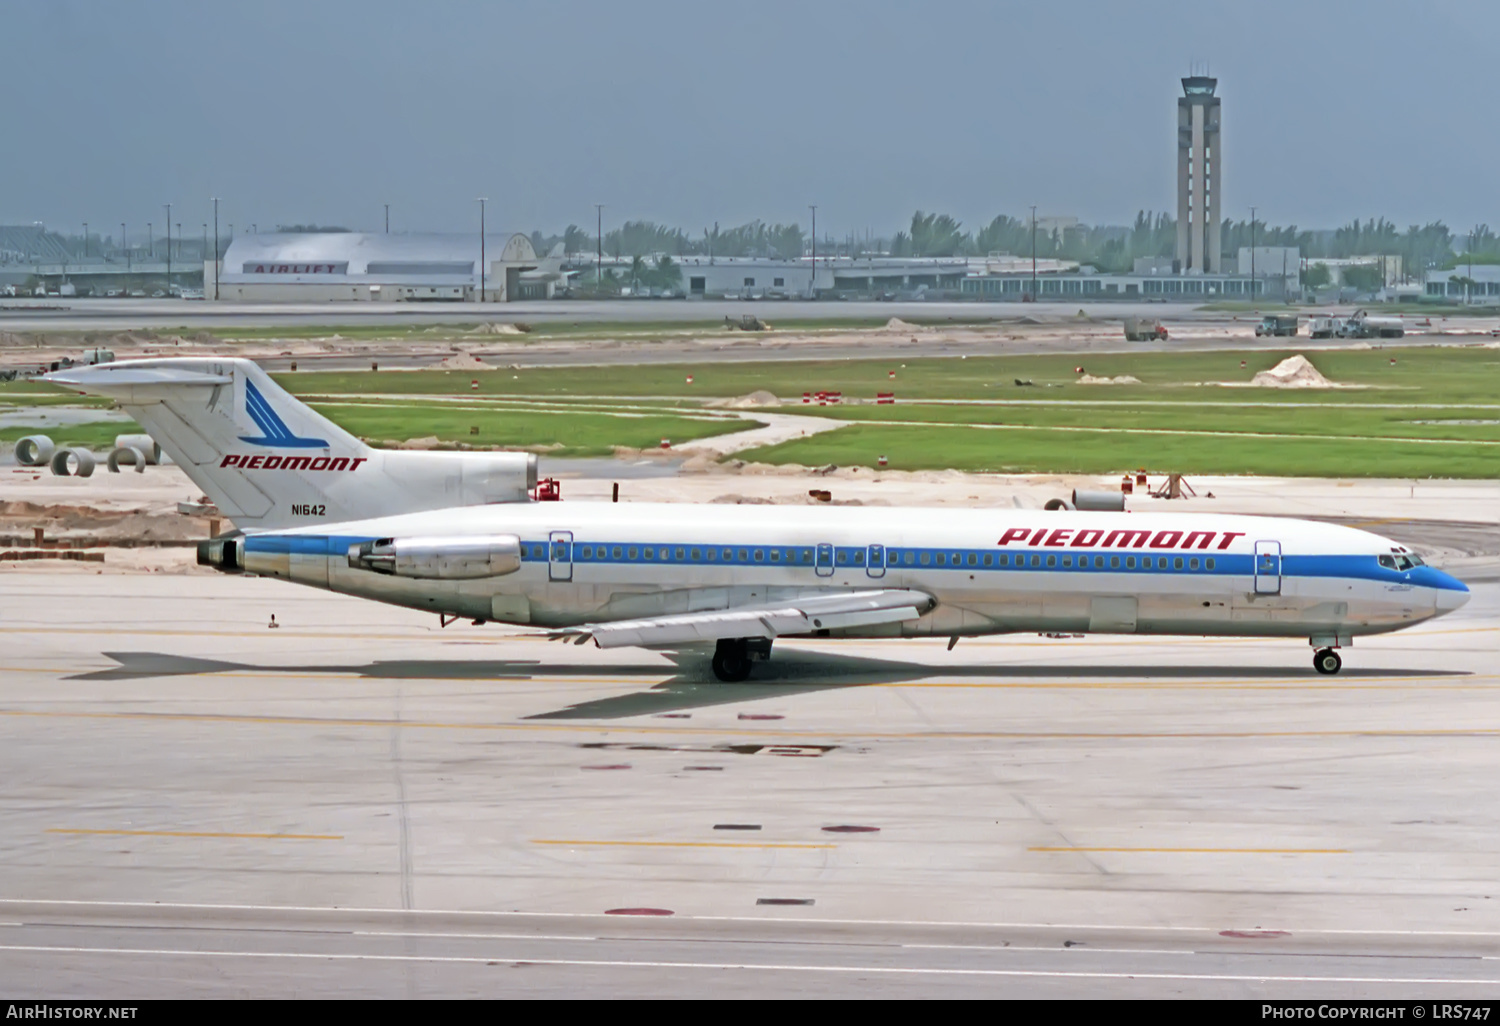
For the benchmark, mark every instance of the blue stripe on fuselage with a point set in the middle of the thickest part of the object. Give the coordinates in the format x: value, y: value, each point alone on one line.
x: 801, y: 557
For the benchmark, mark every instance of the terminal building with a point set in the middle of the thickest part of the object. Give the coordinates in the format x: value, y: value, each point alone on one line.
x: 369, y: 267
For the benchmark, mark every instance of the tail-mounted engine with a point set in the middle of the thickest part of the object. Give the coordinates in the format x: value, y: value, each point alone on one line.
x: 442, y: 559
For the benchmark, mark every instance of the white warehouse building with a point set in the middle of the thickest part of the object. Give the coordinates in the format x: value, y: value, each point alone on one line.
x: 369, y: 267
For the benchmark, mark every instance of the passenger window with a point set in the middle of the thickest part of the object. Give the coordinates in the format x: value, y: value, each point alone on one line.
x: 1036, y: 560
x: 729, y: 555
x: 776, y: 555
x: 859, y: 557
x: 1051, y: 561
x: 942, y: 559
x: 910, y: 559
x: 1098, y: 562
x: 559, y: 551
x: 680, y: 554
x: 1208, y: 564
x: 713, y: 554
x: 989, y: 559
x: 744, y: 556
x: 958, y: 559
x: 697, y: 555
x: 1067, y: 562
x: 1193, y: 563
x: 648, y: 553
x: 1177, y: 563
x: 631, y: 552
x: 1129, y: 562
x: 973, y: 559
x: 926, y: 558
x: 1114, y: 562
x: 616, y: 552
x: 1004, y: 559
x: 842, y: 557
x: 760, y: 555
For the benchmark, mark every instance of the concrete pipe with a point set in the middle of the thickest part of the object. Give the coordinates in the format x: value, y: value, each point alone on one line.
x: 34, y: 450
x: 145, y: 443
x: 126, y: 454
x: 1053, y: 505
x: 1105, y: 502
x: 82, y: 457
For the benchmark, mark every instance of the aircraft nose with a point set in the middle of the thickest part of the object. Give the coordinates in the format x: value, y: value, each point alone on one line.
x: 1449, y: 599
x: 1449, y: 593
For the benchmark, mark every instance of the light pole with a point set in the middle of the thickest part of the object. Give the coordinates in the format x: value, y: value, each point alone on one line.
x: 169, y: 247
x: 599, y: 239
x: 150, y: 244
x: 204, y: 250
x: 216, y: 248
x: 125, y: 244
x: 1252, y: 254
x: 388, y: 219
x: 86, y: 240
x: 481, y: 248
x: 812, y: 285
x: 1033, y: 253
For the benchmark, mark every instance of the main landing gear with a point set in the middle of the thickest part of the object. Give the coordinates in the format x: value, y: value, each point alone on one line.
x: 733, y: 657
x: 1326, y: 660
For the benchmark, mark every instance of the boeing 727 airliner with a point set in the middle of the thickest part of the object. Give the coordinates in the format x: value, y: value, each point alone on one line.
x: 457, y: 534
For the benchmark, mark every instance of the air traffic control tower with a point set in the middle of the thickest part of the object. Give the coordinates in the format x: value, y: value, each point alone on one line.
x: 1199, y: 174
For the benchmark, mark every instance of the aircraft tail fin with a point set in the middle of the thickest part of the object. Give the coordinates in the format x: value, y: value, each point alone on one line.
x: 269, y: 461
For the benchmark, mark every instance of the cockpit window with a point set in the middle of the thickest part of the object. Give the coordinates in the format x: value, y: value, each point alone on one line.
x: 1403, y: 561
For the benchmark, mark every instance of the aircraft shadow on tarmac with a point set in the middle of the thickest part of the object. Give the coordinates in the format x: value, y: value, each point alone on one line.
x: 692, y: 686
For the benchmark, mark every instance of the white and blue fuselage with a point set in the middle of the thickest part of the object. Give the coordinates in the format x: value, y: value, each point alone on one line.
x: 988, y: 571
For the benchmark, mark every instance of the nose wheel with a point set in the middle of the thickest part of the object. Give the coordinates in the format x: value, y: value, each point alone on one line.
x: 1327, y: 661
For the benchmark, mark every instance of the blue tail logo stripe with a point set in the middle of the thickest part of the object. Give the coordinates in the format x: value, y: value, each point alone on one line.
x: 274, y: 431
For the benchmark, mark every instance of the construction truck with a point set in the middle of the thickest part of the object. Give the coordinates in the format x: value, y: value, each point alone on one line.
x: 1138, y: 329
x: 1325, y: 327
x: 1363, y: 325
x: 1277, y: 326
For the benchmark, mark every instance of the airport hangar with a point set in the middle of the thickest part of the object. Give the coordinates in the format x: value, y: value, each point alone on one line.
x: 286, y: 267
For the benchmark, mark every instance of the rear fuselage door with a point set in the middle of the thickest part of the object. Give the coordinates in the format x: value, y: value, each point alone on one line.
x: 1268, y: 568
x: 875, y: 561
x: 560, y: 556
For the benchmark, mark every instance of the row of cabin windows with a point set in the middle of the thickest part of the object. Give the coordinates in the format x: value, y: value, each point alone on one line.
x: 856, y: 557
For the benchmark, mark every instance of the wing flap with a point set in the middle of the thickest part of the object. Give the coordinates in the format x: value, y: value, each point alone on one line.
x: 803, y: 615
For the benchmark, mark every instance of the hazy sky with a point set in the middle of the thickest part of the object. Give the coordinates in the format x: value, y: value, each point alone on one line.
x: 705, y: 110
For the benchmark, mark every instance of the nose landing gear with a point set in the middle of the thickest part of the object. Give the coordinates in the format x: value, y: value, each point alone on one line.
x: 1327, y: 661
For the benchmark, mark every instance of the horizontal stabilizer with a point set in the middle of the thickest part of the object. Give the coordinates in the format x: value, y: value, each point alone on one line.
x: 109, y: 379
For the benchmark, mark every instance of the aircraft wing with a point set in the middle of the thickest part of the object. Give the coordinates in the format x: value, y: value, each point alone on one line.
x: 830, y: 610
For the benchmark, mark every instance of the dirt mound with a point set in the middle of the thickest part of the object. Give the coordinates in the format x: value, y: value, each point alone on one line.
x: 430, y: 442
x: 1293, y: 372
x: 460, y: 361
x: 496, y: 328
x: 897, y: 324
x: 1123, y: 379
x: 760, y: 397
